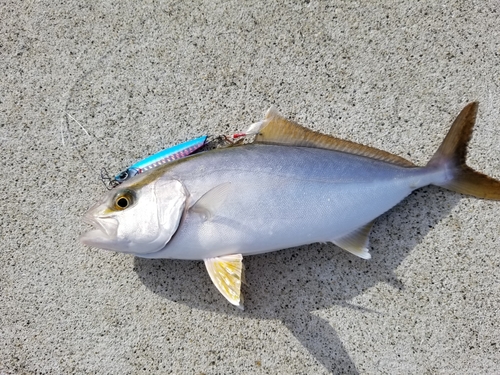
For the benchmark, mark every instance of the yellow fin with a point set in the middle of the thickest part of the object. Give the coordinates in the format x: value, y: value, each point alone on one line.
x: 356, y: 242
x: 227, y: 274
x: 279, y: 130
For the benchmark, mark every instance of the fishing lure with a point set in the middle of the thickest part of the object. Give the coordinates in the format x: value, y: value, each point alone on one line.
x: 199, y: 144
x: 203, y: 143
x: 167, y: 155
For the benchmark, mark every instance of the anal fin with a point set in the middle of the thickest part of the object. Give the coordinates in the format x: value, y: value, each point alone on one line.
x: 356, y: 242
x: 227, y: 273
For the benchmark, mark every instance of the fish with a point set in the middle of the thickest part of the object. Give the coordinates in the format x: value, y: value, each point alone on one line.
x: 290, y: 187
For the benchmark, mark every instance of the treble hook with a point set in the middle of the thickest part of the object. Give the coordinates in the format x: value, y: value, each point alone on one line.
x: 108, y: 182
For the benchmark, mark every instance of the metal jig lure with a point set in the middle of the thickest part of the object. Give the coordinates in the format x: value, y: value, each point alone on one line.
x: 203, y: 143
x: 164, y: 156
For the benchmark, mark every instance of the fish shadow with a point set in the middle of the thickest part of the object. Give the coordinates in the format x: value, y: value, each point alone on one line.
x: 288, y: 285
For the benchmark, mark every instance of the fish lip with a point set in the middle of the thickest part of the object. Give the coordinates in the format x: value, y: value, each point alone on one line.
x: 89, y: 238
x: 97, y: 227
x: 100, y: 232
x: 90, y: 221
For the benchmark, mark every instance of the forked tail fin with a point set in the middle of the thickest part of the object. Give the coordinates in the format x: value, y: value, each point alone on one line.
x: 452, y: 155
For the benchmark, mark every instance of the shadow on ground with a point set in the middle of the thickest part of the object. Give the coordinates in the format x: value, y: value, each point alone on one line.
x: 289, y: 285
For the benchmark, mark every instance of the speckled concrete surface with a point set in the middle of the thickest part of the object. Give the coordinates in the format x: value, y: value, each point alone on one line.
x: 141, y: 75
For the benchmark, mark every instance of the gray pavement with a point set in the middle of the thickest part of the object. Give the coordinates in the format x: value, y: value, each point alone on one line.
x: 142, y: 75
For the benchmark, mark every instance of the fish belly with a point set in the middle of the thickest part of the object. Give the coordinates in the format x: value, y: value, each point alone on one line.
x: 282, y: 197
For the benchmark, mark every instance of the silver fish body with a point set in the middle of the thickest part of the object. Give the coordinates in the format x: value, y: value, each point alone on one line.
x: 281, y: 196
x: 291, y: 187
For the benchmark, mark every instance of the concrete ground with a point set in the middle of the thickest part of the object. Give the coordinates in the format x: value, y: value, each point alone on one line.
x: 142, y: 75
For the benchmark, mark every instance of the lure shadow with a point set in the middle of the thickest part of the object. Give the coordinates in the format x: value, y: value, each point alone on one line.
x: 289, y: 285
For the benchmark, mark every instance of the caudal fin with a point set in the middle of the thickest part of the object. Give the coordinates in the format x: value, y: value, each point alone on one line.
x: 452, y: 155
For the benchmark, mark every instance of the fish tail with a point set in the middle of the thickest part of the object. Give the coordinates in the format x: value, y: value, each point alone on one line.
x: 451, y: 156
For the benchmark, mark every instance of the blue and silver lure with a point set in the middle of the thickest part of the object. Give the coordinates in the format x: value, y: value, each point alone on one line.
x: 182, y: 150
x: 167, y: 155
x: 177, y: 152
x: 170, y: 154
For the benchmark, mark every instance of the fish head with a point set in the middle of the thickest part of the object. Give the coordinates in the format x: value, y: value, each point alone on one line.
x: 139, y: 216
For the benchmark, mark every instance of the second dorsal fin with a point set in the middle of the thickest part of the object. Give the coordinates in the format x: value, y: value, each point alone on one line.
x: 278, y: 130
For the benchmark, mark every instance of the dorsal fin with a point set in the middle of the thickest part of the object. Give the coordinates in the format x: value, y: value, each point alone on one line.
x: 279, y: 130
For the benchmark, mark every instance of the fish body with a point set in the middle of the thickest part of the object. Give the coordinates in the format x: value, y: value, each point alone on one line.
x: 291, y: 187
x: 281, y: 196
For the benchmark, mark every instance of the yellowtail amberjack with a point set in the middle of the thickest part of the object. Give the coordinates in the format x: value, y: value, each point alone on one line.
x: 290, y: 187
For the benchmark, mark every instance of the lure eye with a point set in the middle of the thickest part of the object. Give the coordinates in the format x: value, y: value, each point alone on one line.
x: 123, y: 201
x: 122, y: 176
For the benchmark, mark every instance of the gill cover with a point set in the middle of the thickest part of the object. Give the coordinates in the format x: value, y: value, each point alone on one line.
x: 155, y: 217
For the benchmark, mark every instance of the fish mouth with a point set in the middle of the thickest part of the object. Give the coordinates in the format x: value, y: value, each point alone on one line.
x: 103, y: 233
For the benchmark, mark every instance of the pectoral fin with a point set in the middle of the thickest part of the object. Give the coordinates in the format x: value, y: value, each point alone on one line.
x: 208, y: 204
x: 227, y: 274
x: 356, y: 242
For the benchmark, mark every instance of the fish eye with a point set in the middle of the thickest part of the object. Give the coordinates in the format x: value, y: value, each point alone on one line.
x: 123, y: 200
